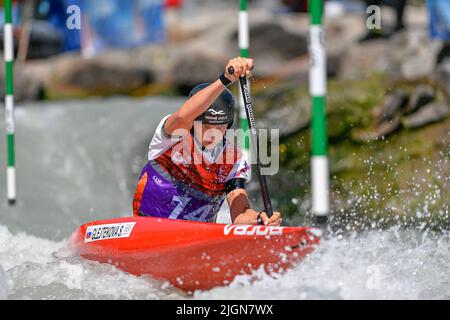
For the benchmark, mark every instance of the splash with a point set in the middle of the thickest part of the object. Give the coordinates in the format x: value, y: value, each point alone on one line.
x: 390, y: 264
x: 35, y: 268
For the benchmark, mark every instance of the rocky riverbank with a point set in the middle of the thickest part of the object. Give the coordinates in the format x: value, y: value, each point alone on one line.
x: 196, y: 52
x: 402, y: 176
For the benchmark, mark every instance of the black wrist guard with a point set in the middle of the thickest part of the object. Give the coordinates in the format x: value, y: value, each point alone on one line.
x: 225, y: 81
x: 233, y: 184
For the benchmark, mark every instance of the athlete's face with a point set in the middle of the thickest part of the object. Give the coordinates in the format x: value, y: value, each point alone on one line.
x: 210, y: 135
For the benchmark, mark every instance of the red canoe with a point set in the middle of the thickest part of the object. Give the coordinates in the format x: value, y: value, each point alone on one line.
x: 191, y: 255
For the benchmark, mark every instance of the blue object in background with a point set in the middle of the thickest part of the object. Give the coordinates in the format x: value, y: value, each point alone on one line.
x: 439, y: 15
x: 56, y: 13
x: 16, y: 17
x: 152, y: 14
x: 105, y: 23
x: 122, y: 23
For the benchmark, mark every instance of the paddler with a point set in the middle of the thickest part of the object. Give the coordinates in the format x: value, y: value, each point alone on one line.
x: 192, y: 167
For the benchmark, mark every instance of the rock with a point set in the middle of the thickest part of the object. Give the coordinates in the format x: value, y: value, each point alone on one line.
x: 156, y: 60
x: 408, y: 54
x: 361, y: 60
x: 45, y: 40
x: 388, y: 127
x: 372, y: 35
x: 297, y: 70
x: 281, y: 107
x: 431, y: 113
x: 383, y: 130
x: 414, y: 51
x: 442, y: 75
x: 107, y: 78
x: 334, y: 65
x: 195, y: 68
x: 393, y: 103
x: 443, y: 54
x: 27, y: 87
x: 97, y: 75
x: 422, y: 95
x: 272, y: 38
x: 288, y: 120
x: 271, y: 44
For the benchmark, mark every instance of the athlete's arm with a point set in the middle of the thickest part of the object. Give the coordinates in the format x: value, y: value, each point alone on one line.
x: 184, y: 117
x: 241, y: 213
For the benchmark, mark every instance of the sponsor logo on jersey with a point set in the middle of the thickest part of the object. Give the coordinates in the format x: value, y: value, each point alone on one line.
x: 108, y: 231
x: 157, y: 180
x: 250, y: 230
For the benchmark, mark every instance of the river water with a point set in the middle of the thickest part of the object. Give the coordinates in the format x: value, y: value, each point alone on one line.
x: 78, y: 161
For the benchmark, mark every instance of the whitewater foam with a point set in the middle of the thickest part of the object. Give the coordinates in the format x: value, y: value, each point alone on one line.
x: 36, y: 268
x: 390, y: 264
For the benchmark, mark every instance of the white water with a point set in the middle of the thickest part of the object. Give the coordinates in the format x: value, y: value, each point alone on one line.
x: 377, y: 265
x: 78, y: 161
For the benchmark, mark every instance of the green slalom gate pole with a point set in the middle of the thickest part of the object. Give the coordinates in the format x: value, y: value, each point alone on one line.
x: 318, y: 91
x: 9, y: 103
x: 244, y: 37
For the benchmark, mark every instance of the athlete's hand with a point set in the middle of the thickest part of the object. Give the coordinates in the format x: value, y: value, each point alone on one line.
x: 241, y: 66
x: 275, y: 219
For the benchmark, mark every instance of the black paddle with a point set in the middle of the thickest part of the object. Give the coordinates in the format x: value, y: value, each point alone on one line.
x: 254, y: 141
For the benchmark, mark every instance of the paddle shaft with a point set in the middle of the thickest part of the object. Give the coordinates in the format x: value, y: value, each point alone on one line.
x: 254, y: 141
